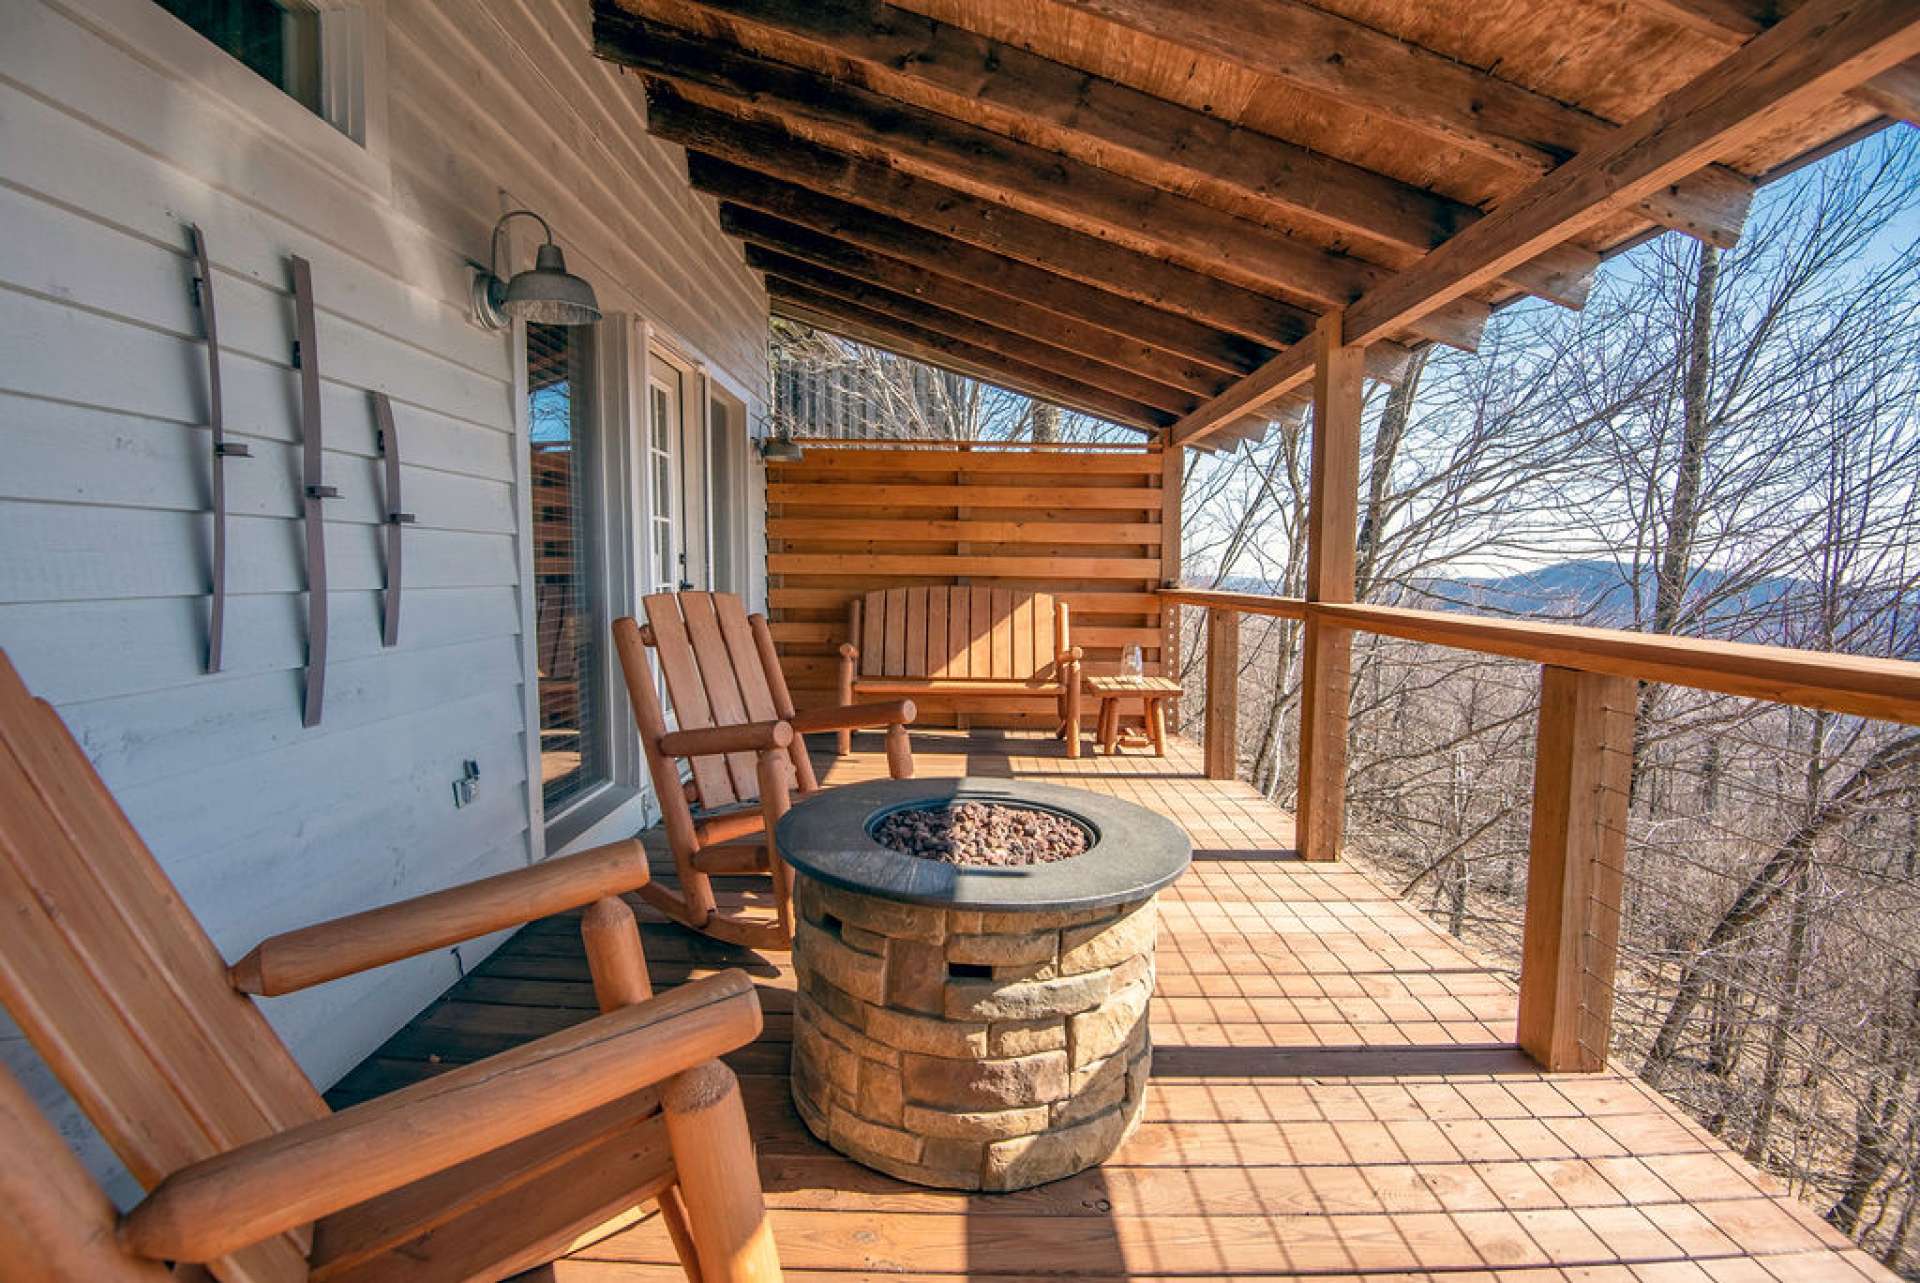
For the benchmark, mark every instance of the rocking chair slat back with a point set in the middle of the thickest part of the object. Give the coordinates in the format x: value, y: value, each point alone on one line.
x: 715, y: 666
x: 715, y: 676
x: 687, y: 694
x: 117, y: 986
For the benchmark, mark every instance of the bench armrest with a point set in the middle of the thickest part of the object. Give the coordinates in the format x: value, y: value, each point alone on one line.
x: 747, y: 737
x: 853, y: 717
x: 1071, y: 655
x: 850, y: 652
x: 359, y: 942
x: 216, y: 1206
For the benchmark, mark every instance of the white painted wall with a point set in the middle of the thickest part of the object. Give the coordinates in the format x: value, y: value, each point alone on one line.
x: 118, y: 128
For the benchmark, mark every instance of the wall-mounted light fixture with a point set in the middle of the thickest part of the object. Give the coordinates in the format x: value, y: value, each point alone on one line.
x: 780, y: 447
x: 548, y: 294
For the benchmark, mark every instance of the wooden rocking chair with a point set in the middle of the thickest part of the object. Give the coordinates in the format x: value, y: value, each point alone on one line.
x: 477, y: 1173
x: 743, y: 742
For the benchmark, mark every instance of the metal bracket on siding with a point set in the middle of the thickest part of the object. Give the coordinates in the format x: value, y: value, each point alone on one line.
x: 222, y: 448
x: 388, y: 439
x: 311, y: 440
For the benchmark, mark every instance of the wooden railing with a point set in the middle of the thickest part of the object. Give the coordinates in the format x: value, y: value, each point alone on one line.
x: 1583, y: 758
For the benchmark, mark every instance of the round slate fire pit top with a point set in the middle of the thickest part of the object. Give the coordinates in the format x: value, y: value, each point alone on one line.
x: 1132, y: 852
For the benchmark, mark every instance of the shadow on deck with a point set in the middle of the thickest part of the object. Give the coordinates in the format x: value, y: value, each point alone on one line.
x: 1334, y: 1094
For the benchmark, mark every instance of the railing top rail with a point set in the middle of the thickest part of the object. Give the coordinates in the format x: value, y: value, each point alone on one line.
x: 1866, y: 687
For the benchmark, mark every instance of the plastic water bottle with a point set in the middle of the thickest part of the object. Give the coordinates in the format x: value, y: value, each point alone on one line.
x: 1130, y: 660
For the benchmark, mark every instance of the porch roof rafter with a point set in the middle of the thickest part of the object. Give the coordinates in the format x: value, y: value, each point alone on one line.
x: 1820, y: 52
x: 1141, y: 208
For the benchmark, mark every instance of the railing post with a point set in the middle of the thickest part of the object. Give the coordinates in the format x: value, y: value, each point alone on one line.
x: 1575, y: 867
x: 1223, y: 693
x: 1326, y: 657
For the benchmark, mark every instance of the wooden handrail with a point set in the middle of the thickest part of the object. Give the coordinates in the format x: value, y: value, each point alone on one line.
x: 1856, y: 684
x: 1577, y: 851
x: 300, y: 959
x: 218, y: 1205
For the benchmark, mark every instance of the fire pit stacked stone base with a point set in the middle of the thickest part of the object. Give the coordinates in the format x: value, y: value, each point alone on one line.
x: 972, y: 1047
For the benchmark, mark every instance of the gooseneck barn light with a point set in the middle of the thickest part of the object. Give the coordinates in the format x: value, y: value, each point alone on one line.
x: 548, y: 294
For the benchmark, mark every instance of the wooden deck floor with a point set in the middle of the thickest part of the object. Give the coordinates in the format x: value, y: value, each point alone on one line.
x: 1333, y: 1095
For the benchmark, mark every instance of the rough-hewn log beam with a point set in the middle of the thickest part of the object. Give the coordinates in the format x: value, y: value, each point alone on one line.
x: 1044, y: 184
x: 933, y: 318
x: 1014, y: 315
x: 842, y: 221
x: 1894, y: 92
x: 1341, y: 59
x: 971, y: 76
x: 1822, y: 50
x: 880, y: 330
x: 769, y: 149
x: 1386, y: 361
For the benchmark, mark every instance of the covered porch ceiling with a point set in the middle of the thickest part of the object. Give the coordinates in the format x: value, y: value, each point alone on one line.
x: 1141, y: 209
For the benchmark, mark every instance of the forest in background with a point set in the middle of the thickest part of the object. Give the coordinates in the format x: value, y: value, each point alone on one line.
x: 1722, y: 443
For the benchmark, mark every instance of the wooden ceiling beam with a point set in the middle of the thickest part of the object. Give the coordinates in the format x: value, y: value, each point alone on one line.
x: 836, y: 316
x: 1386, y: 361
x: 1003, y: 343
x: 1818, y: 53
x: 974, y: 77
x: 1136, y: 325
x: 1088, y: 342
x: 1043, y: 184
x: 1895, y: 92
x: 1340, y: 59
x: 769, y: 149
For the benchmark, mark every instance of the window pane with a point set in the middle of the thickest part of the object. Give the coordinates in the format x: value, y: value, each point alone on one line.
x: 280, y: 43
x: 567, y: 624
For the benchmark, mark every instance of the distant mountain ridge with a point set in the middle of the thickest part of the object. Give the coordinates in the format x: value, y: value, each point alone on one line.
x: 1598, y: 593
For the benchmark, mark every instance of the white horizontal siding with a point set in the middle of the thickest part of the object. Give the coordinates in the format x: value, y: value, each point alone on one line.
x: 106, y: 155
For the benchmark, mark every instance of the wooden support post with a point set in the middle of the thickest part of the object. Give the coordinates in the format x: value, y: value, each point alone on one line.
x: 615, y: 959
x: 1223, y: 693
x: 713, y: 1157
x: 1575, y: 868
x: 1173, y: 460
x: 1326, y: 671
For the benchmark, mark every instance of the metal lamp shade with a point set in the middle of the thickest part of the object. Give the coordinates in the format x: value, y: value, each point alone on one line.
x: 781, y: 449
x: 549, y: 294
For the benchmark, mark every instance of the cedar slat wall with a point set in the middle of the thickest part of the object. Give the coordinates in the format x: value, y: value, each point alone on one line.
x: 1098, y: 526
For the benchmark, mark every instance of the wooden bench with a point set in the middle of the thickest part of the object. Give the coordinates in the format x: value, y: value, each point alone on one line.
x: 960, y: 644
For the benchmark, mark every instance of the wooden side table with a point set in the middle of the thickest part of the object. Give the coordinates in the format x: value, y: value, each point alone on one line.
x: 1152, y: 692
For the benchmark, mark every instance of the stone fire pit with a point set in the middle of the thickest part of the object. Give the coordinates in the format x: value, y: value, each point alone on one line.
x: 974, y: 1026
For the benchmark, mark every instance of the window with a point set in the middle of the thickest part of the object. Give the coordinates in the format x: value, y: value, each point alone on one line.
x: 278, y: 42
x: 663, y: 448
x: 569, y: 622
x: 285, y: 63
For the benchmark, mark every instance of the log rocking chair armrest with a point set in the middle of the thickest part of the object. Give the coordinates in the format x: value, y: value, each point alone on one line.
x: 211, y: 1208
x: 359, y: 942
x: 746, y: 737
x: 850, y: 652
x: 854, y: 717
x: 1071, y: 655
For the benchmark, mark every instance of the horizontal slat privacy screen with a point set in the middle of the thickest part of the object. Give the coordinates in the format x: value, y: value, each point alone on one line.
x: 1098, y: 527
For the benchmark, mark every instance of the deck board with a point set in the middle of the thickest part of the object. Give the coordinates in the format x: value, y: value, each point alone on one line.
x: 1335, y: 1094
